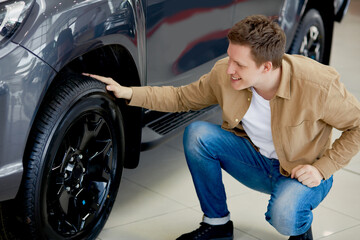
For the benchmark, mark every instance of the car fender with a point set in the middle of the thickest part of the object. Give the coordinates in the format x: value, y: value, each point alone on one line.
x: 23, y: 75
x: 340, y: 8
x: 60, y: 32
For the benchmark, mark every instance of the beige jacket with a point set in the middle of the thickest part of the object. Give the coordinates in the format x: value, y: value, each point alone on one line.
x: 310, y: 101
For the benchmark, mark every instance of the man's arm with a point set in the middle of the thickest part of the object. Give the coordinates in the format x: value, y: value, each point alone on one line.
x: 342, y: 111
x: 194, y: 96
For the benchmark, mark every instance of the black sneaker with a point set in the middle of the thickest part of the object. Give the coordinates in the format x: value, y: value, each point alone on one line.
x: 305, y: 236
x: 210, y: 232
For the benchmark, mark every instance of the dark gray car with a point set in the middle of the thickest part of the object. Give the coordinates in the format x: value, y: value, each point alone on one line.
x: 63, y: 139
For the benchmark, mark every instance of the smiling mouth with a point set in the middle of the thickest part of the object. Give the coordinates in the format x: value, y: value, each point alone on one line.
x: 234, y: 78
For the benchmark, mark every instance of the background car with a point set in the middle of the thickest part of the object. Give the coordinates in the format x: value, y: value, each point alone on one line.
x: 63, y: 139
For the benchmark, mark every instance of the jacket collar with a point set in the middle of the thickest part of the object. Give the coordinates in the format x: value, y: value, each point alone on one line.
x: 284, y: 87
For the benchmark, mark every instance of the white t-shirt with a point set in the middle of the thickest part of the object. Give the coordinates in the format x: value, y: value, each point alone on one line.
x: 257, y: 125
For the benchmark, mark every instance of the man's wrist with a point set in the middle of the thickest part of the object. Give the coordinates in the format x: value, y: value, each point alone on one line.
x: 128, y: 93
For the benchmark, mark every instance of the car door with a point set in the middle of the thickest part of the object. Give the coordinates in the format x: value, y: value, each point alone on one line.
x: 184, y: 38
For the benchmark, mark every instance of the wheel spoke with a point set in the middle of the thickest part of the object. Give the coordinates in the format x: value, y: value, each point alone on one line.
x: 91, y: 129
x: 86, y: 136
x: 65, y: 201
x: 97, y: 125
x: 100, y: 164
x: 71, y: 204
x: 317, y: 51
x: 303, y: 47
x: 98, y: 194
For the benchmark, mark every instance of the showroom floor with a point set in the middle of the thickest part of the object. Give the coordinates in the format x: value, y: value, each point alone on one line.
x: 157, y: 200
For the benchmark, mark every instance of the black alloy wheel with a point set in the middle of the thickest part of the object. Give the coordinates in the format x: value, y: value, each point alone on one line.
x: 310, y: 37
x: 75, y: 162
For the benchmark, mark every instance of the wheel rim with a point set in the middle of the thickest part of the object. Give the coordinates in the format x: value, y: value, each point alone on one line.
x: 311, y: 44
x: 78, y: 186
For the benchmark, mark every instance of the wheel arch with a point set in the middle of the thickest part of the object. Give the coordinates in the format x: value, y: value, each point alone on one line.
x: 113, y: 61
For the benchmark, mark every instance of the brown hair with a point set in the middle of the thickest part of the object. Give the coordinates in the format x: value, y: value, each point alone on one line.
x: 264, y: 36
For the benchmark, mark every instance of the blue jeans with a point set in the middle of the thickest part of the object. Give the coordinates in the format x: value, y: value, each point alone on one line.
x: 208, y: 149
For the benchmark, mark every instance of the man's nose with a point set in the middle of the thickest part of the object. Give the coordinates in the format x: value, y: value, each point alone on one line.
x: 230, y: 69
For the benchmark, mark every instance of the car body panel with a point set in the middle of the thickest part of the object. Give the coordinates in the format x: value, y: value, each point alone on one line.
x: 23, y: 75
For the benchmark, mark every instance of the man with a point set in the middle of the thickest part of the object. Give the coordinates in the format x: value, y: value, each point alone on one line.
x: 278, y: 113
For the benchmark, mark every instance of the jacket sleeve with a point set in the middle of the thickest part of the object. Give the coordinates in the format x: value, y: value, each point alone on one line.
x: 342, y: 111
x: 194, y: 96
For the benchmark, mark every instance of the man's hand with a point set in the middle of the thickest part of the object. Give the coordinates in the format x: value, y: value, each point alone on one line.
x: 112, y: 86
x: 307, y: 175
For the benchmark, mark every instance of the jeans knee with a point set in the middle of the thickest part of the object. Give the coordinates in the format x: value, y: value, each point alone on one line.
x: 289, y: 220
x: 280, y: 221
x: 198, y: 140
x: 195, y: 133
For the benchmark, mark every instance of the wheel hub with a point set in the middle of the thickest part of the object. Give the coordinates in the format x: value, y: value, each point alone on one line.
x: 74, y: 173
x: 310, y: 46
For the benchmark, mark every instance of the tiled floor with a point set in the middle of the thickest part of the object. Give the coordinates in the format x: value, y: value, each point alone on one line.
x: 157, y: 200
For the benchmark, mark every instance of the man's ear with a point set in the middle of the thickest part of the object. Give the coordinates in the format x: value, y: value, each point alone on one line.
x: 267, y: 66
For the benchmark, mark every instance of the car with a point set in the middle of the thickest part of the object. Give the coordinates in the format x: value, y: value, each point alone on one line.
x: 64, y: 140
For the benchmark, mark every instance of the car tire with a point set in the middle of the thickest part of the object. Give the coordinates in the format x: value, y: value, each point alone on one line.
x: 74, y: 161
x: 310, y: 37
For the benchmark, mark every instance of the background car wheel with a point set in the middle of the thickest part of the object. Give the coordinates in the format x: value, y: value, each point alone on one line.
x: 75, y: 161
x: 310, y: 37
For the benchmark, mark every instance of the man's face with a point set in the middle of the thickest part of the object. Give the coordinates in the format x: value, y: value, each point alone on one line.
x: 243, y: 71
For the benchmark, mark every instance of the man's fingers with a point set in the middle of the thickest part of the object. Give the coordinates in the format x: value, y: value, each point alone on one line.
x: 304, y: 178
x: 105, y: 80
x: 111, y: 85
x: 102, y: 79
x: 294, y: 171
x: 300, y: 172
x: 308, y: 182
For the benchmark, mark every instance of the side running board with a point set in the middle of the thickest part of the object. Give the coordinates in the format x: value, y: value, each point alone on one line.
x: 171, y: 124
